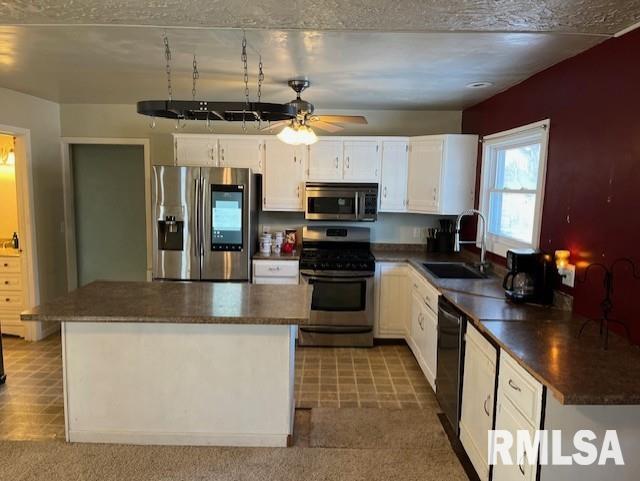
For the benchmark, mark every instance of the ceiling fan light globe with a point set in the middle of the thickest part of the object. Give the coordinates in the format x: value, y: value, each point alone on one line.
x: 308, y: 135
x: 289, y: 136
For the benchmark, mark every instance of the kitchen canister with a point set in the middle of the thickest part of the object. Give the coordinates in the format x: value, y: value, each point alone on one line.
x: 265, y: 243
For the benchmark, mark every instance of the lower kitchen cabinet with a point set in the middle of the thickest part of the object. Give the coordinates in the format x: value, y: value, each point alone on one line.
x: 393, y: 300
x: 478, y: 398
x: 275, y: 271
x: 11, y: 296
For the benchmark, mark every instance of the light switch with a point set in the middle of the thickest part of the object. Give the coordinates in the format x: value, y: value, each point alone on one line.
x: 569, y: 276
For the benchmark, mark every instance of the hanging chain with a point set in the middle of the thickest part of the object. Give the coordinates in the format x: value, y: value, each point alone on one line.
x: 196, y: 76
x: 243, y: 57
x: 260, y: 80
x: 167, y: 56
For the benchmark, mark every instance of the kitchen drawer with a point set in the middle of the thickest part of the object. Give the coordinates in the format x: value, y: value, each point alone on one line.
x: 9, y: 264
x: 10, y: 282
x: 425, y: 291
x: 275, y: 269
x: 10, y: 301
x: 521, y: 389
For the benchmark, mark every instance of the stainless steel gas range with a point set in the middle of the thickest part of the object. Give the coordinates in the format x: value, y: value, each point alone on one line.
x: 338, y: 262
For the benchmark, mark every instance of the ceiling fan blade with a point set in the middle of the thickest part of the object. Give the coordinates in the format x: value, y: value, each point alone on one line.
x: 342, y: 119
x: 322, y: 125
x: 275, y: 125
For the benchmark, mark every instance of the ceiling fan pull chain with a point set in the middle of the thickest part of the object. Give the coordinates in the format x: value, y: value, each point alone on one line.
x: 243, y: 57
x: 196, y: 76
x: 167, y: 68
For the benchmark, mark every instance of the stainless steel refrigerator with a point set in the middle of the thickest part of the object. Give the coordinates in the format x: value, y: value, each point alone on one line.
x: 205, y: 223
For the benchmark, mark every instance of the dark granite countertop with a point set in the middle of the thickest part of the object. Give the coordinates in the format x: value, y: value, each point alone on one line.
x: 542, y: 339
x: 179, y: 302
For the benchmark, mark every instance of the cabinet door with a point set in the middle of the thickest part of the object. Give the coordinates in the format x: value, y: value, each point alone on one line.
x: 425, y: 167
x: 430, y: 345
x: 240, y: 152
x: 508, y: 418
x: 393, y: 300
x: 283, y: 179
x: 195, y: 151
x: 361, y: 160
x: 478, y: 390
x: 325, y: 161
x: 393, y: 179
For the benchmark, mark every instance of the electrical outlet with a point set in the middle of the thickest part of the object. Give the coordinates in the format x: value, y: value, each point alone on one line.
x: 569, y: 275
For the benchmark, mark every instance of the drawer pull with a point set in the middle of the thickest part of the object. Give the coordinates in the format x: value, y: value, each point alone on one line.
x: 514, y: 386
x: 6, y: 264
x: 6, y: 283
x: 484, y: 405
x: 8, y: 300
x: 272, y: 269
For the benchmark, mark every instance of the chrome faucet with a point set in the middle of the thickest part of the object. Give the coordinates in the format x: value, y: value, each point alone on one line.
x: 483, y: 242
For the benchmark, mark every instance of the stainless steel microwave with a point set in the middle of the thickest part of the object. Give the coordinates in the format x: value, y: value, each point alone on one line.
x: 341, y: 201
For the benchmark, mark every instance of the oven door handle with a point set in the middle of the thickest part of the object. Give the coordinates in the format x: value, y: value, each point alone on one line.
x: 336, y: 329
x: 315, y: 277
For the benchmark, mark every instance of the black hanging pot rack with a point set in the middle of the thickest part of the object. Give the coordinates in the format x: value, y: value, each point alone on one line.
x: 214, y: 111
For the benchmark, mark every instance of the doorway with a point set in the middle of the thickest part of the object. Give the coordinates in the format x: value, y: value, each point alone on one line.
x: 107, y: 210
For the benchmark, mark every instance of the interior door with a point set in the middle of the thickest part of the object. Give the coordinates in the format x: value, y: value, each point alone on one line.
x: 393, y: 182
x: 325, y: 161
x: 425, y: 167
x: 110, y: 212
x: 361, y: 160
x: 240, y: 153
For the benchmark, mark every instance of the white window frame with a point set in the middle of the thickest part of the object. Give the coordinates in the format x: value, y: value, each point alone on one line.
x: 527, y: 134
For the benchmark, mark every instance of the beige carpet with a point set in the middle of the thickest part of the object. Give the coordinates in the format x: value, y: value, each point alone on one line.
x: 376, y: 444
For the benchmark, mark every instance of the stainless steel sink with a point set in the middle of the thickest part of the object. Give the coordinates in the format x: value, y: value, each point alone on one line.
x: 453, y: 270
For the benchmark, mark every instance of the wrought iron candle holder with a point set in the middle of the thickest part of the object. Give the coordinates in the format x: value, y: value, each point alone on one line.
x: 607, y: 303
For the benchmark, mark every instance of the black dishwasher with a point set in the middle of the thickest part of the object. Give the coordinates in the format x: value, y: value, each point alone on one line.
x: 452, y: 325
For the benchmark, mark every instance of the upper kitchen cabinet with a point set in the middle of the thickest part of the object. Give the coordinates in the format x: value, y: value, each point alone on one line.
x: 284, y: 176
x: 441, y: 174
x: 361, y: 160
x: 241, y: 152
x: 325, y: 161
x: 195, y: 150
x: 393, y: 178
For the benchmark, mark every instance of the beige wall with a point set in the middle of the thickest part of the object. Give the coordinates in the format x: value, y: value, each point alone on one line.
x: 8, y: 202
x: 42, y: 118
x: 106, y: 120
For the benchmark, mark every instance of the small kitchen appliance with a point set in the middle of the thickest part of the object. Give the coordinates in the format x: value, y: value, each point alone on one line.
x: 531, y: 276
x: 341, y: 201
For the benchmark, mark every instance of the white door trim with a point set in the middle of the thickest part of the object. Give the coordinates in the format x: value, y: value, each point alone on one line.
x: 33, y: 331
x: 69, y: 217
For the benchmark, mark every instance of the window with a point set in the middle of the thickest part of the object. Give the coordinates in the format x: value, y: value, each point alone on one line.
x: 512, y: 190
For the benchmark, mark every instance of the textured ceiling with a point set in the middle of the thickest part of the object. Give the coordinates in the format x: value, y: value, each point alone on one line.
x: 366, y: 70
x: 576, y: 16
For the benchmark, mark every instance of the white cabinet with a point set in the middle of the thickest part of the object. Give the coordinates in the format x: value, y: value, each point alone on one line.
x: 518, y: 407
x: 195, y: 150
x: 241, y: 152
x: 393, y: 176
x: 393, y: 300
x: 361, y: 160
x: 11, y: 296
x: 478, y: 398
x: 441, y: 174
x: 267, y: 271
x: 283, y: 179
x: 325, y: 161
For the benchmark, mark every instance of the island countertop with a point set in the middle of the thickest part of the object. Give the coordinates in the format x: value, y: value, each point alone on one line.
x: 180, y: 303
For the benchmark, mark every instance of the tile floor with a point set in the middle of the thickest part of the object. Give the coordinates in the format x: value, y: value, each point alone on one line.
x: 383, y: 376
x: 31, y: 406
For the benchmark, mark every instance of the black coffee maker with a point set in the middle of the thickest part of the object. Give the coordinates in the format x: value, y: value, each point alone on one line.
x: 531, y: 278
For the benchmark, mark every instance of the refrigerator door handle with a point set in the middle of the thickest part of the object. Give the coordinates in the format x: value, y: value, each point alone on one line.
x: 196, y: 216
x: 202, y: 233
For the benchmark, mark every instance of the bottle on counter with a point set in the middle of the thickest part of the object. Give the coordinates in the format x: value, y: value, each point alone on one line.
x: 15, y: 242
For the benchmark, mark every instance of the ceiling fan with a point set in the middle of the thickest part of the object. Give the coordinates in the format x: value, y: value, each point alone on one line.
x: 298, y: 131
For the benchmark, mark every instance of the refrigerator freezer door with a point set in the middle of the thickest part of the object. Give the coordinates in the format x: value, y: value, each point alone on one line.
x: 226, y: 223
x: 176, y: 192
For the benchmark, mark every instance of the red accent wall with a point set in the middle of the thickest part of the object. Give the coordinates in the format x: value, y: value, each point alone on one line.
x: 592, y: 195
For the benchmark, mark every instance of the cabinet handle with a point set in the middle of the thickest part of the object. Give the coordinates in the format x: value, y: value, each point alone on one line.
x: 415, y: 286
x: 336, y: 162
x: 295, y: 159
x: 484, y: 405
x: 6, y: 265
x: 298, y: 191
x: 272, y: 269
x: 514, y: 386
x: 347, y: 162
x: 384, y: 191
x: 8, y: 300
x: 426, y: 302
x: 6, y: 283
x: 421, y: 321
x: 521, y: 464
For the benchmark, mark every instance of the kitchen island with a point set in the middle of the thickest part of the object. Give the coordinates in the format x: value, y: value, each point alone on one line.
x: 177, y: 362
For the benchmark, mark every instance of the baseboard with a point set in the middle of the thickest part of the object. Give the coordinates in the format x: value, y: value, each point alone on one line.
x: 179, y: 439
